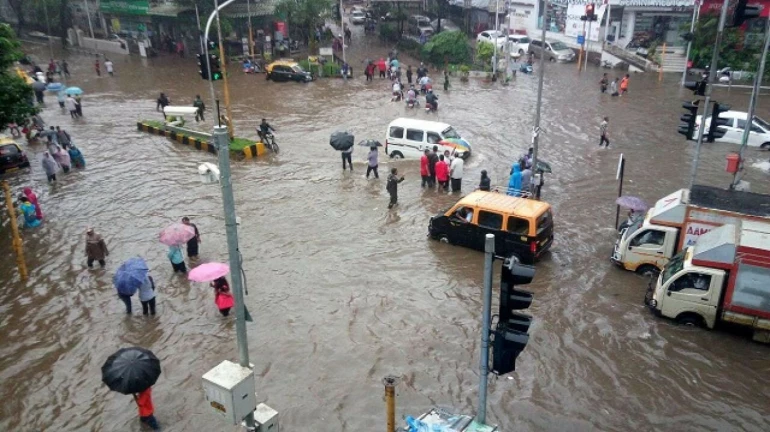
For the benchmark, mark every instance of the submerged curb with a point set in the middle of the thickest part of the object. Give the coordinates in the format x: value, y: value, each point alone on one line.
x: 249, y: 152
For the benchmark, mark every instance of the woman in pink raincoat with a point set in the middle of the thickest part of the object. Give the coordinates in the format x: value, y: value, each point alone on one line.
x: 33, y: 199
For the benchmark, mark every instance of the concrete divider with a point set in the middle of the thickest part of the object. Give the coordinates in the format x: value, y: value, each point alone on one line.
x: 250, y: 152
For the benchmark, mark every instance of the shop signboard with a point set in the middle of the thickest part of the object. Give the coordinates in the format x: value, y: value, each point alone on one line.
x: 126, y: 7
x: 574, y: 26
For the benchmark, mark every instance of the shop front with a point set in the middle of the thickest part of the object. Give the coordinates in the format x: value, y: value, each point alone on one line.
x: 151, y: 25
x: 632, y: 23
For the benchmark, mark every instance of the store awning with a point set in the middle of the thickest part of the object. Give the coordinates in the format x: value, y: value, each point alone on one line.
x: 258, y: 9
x: 168, y: 10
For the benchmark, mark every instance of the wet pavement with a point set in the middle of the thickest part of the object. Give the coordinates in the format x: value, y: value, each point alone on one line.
x: 343, y: 291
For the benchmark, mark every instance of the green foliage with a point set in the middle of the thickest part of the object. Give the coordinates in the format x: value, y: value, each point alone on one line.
x: 447, y: 46
x: 304, y: 15
x: 484, y: 52
x: 15, y: 94
x: 10, y: 47
x: 389, y: 32
x: 410, y: 47
x: 732, y: 52
x: 330, y: 68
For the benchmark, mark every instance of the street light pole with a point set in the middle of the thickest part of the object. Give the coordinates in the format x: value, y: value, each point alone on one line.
x: 541, y: 73
x: 222, y: 142
x: 88, y: 14
x: 342, y: 26
x: 709, y: 87
x: 48, y: 26
x: 251, y: 40
x: 497, y: 30
x: 223, y: 66
x: 753, y: 101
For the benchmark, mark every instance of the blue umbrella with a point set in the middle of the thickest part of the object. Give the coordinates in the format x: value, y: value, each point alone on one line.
x: 130, y: 276
x: 74, y: 91
x: 54, y: 87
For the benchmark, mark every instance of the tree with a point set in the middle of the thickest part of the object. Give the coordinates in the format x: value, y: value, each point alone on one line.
x: 15, y: 94
x: 304, y: 16
x: 448, y: 46
x: 732, y: 53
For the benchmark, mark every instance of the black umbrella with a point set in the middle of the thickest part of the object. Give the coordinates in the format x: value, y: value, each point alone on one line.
x: 370, y: 143
x: 342, y: 140
x: 131, y: 370
x: 543, y: 166
x: 38, y: 86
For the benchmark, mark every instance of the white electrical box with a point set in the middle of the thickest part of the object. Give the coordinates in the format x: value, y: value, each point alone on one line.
x: 230, y: 391
x: 266, y: 418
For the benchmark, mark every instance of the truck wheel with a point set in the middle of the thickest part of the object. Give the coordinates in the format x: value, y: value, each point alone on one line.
x: 690, y: 320
x: 396, y: 155
x: 765, y: 146
x: 648, y: 270
x: 444, y: 239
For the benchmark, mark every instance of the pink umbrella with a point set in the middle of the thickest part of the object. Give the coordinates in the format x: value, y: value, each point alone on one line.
x: 208, y: 272
x: 176, y: 234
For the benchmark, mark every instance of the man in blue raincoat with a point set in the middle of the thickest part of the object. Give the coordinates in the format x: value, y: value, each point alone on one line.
x: 514, y: 184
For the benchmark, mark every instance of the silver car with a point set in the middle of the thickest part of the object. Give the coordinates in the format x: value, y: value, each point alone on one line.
x: 553, y: 51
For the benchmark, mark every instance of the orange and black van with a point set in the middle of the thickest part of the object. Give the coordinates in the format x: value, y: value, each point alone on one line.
x: 522, y: 227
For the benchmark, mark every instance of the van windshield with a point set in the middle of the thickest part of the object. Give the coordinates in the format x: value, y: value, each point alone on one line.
x: 764, y: 124
x: 674, y: 265
x: 450, y: 132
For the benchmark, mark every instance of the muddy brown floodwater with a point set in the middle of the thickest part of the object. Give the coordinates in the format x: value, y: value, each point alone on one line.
x: 343, y: 291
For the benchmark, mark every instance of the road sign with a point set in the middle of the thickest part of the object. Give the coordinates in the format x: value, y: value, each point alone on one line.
x: 325, y: 51
x: 581, y: 39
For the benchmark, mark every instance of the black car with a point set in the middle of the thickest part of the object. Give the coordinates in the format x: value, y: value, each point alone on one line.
x: 11, y: 156
x: 287, y: 71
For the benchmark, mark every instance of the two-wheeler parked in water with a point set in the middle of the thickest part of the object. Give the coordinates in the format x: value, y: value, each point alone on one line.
x: 412, y: 103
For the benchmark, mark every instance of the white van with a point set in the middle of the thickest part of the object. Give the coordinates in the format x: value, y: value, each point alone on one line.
x: 408, y: 138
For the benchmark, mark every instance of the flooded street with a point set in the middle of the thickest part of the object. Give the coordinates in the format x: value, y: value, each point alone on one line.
x: 343, y: 291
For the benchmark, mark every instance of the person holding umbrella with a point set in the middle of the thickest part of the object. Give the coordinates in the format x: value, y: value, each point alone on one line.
x: 174, y: 236
x: 133, y: 371
x: 127, y: 280
x: 147, y: 296
x: 192, y: 244
x: 215, y: 272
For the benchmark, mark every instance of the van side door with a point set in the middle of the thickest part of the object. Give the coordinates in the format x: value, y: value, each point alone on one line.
x: 415, y: 140
x: 490, y: 222
x: 516, y: 236
x: 647, y: 246
x: 462, y: 232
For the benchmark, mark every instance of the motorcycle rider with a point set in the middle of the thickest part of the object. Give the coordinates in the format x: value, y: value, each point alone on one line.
x: 397, y: 92
x: 411, y: 96
x: 431, y: 100
x: 264, y: 130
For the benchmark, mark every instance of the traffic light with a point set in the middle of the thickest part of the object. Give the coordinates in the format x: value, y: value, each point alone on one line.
x: 202, y: 69
x: 687, y: 127
x: 744, y: 12
x: 511, y: 332
x: 212, y: 45
x: 216, y: 68
x: 590, y: 13
x: 715, y: 131
x: 698, y: 87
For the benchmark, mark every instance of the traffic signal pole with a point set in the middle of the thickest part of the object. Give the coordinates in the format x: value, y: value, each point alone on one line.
x: 486, y: 324
x: 205, y: 36
x: 753, y: 100
x: 223, y: 66
x: 709, y: 87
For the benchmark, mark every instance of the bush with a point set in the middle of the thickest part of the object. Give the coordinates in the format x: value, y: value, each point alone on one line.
x: 410, y: 47
x: 447, y: 46
x: 329, y: 69
x: 484, y: 53
x: 389, y: 32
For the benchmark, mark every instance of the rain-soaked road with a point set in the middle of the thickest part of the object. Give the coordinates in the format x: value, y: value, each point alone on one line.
x: 343, y: 291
